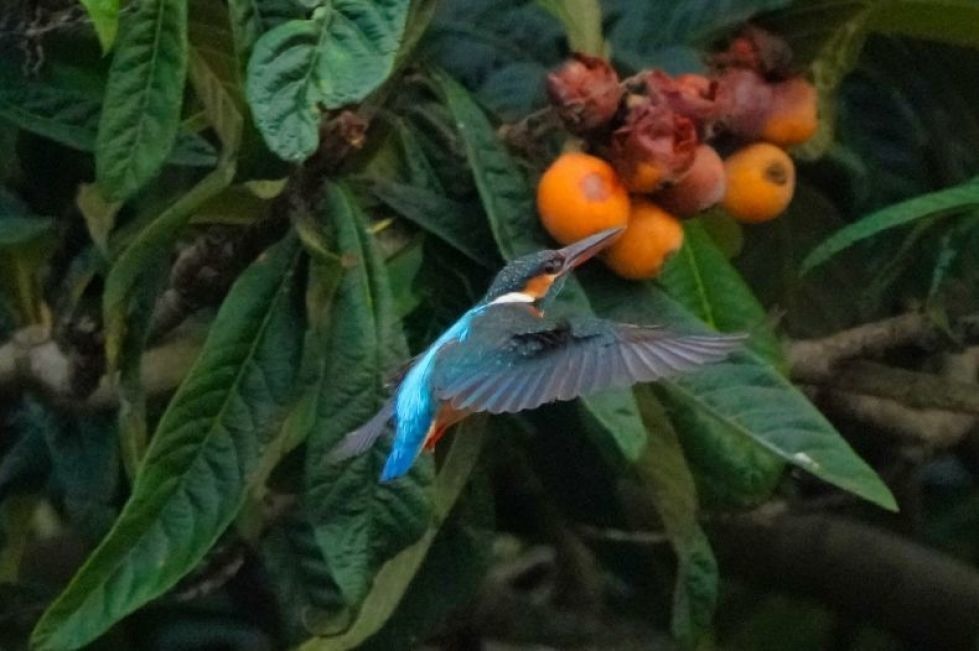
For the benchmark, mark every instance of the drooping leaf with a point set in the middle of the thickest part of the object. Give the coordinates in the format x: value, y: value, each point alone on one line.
x: 302, y: 67
x: 105, y: 20
x: 215, y: 70
x: 747, y: 396
x: 458, y: 225
x: 69, y: 115
x: 948, y: 21
x: 643, y: 32
x: 26, y: 243
x: 944, y: 202
x: 252, y: 18
x: 99, y: 214
x: 299, y: 576
x: 503, y: 188
x: 395, y: 576
x: 202, y: 459
x: 700, y: 278
x: 141, y: 110
x: 582, y: 20
x: 664, y: 469
x: 131, y: 287
x: 359, y: 523
x: 451, y: 573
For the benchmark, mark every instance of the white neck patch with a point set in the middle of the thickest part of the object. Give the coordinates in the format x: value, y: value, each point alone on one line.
x: 513, y: 297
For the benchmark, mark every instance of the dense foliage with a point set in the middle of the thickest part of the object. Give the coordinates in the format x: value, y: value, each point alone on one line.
x: 225, y: 226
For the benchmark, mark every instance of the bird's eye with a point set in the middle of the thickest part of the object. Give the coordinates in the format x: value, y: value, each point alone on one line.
x: 553, y: 266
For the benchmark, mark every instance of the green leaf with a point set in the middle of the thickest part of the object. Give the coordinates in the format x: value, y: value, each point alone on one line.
x: 99, y: 214
x: 105, y: 20
x: 300, y: 576
x: 664, y: 469
x: 452, y: 573
x: 252, y: 18
x: 215, y: 70
x: 582, y: 20
x: 200, y: 464
x: 26, y: 244
x: 392, y: 581
x: 143, y: 96
x: 65, y: 115
x: 942, y: 203
x: 359, y: 522
x: 458, y: 225
x: 131, y: 287
x: 503, y: 188
x: 70, y: 115
x: 339, y: 56
x: 508, y: 201
x: 748, y: 397
x: 948, y: 21
x: 701, y: 279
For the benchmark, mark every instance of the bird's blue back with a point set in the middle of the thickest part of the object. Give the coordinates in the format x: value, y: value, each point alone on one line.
x: 415, y: 405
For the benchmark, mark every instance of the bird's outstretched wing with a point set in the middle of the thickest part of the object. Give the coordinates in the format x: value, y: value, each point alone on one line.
x: 360, y: 439
x: 511, y: 361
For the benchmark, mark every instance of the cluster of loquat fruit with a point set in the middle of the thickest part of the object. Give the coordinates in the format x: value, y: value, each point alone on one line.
x: 654, y: 141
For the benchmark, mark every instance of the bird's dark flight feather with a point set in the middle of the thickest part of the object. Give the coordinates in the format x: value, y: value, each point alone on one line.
x: 532, y: 361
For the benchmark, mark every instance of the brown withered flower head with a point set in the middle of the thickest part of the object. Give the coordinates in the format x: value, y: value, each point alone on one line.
x: 654, y: 146
x: 690, y: 95
x: 759, y: 50
x: 586, y: 92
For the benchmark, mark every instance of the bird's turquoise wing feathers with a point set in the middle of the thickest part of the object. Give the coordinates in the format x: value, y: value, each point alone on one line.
x: 534, y: 361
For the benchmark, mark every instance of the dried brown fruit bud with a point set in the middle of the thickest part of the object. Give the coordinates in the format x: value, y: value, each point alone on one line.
x: 690, y: 95
x: 758, y: 50
x: 745, y: 99
x: 655, y: 146
x: 586, y: 92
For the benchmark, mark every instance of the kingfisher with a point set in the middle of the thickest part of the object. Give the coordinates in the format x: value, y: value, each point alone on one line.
x: 506, y: 355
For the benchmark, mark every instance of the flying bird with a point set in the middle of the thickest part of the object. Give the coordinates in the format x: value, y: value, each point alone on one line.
x: 506, y: 355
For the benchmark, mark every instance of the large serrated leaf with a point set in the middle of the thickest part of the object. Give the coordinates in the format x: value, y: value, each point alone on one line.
x: 394, y: 578
x: 298, y: 69
x: 131, y: 287
x: 503, y: 188
x: 700, y: 277
x: 300, y: 576
x: 944, y: 202
x: 252, y: 18
x: 215, y: 70
x: 202, y: 459
x: 143, y: 96
x: 70, y: 116
x: 359, y: 522
x: 747, y: 396
x: 452, y: 573
x: 664, y: 469
x: 458, y: 225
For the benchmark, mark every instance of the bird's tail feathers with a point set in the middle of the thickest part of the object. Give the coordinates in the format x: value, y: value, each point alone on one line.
x: 364, y: 437
x: 400, y: 461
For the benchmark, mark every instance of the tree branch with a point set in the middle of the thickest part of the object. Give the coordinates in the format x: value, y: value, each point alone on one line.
x: 927, y: 598
x: 815, y: 360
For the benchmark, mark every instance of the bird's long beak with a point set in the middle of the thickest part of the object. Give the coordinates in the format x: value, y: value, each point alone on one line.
x: 582, y: 250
